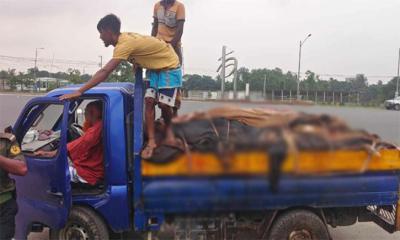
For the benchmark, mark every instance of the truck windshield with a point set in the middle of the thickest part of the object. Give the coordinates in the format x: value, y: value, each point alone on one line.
x: 44, y: 129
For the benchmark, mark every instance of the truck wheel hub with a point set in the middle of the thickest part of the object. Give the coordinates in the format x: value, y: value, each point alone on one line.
x: 300, y: 235
x: 76, y: 232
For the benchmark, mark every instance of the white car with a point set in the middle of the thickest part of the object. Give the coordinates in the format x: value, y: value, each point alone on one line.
x: 393, y: 104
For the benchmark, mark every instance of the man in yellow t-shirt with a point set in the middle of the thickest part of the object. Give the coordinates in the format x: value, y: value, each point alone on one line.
x: 148, y: 52
x: 169, y: 18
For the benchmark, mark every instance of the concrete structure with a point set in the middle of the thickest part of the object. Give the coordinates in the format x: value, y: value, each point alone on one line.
x: 4, y: 84
x: 322, y: 97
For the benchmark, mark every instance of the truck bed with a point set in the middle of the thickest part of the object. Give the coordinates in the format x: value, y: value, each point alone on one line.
x: 181, y: 194
x: 199, y: 182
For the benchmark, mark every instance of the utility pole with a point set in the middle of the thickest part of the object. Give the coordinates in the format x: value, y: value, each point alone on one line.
x: 50, y: 73
x: 298, y: 70
x: 34, y: 69
x: 51, y: 66
x: 101, y: 61
x: 398, y: 76
x: 183, y: 61
x: 265, y: 85
x: 298, y: 74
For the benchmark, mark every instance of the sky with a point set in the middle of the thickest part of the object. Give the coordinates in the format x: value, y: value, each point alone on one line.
x: 348, y: 36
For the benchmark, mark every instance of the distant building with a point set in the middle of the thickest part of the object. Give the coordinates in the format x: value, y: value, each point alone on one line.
x: 4, y: 84
x: 44, y: 84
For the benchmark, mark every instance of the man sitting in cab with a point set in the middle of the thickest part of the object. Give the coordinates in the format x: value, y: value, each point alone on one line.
x: 85, y: 154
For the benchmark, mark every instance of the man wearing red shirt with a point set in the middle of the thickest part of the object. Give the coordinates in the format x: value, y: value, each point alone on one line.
x: 85, y: 154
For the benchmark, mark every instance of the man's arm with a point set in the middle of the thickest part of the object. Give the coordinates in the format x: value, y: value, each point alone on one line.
x: 154, y: 29
x: 178, y: 34
x: 98, y: 77
x: 13, y: 166
x: 180, y: 18
x: 48, y: 154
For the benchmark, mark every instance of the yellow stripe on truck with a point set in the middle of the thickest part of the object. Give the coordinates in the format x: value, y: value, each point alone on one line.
x: 257, y: 163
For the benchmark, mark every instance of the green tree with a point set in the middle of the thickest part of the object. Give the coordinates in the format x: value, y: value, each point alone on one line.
x: 86, y: 77
x: 310, y: 83
x: 12, y: 79
x: 123, y: 73
x: 60, y: 75
x: 74, y: 76
x: 3, y: 77
x: 25, y: 79
x: 198, y: 82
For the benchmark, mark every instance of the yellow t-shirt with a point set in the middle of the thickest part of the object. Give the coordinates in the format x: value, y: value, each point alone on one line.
x: 148, y: 52
x: 167, y: 19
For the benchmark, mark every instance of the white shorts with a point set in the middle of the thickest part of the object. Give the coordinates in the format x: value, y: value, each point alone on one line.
x: 167, y: 96
x: 74, y: 174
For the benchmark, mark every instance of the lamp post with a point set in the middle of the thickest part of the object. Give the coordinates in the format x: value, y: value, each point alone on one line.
x: 298, y: 70
x: 34, y: 69
x: 101, y: 61
x: 398, y: 77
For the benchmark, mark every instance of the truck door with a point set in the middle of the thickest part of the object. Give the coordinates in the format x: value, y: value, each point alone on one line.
x: 44, y: 194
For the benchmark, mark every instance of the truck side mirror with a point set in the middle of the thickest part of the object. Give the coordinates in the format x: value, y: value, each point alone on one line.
x: 79, y: 116
x: 8, y: 129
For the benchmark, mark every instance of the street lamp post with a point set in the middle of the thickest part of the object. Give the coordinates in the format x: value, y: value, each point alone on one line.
x: 101, y: 61
x: 398, y: 77
x: 298, y: 70
x: 34, y: 69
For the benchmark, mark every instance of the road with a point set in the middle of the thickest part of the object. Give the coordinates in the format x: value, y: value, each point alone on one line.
x: 382, y: 122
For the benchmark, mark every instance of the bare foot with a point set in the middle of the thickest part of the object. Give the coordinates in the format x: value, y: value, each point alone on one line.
x: 148, y: 150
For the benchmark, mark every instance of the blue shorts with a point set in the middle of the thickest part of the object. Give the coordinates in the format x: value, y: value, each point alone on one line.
x: 164, y: 86
x: 165, y: 78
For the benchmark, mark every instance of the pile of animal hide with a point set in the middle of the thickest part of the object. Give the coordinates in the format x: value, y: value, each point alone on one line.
x: 227, y: 130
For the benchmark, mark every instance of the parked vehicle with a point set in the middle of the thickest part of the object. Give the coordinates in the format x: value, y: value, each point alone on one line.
x: 393, y: 104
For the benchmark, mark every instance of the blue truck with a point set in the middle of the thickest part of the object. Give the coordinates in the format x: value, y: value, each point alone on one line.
x: 130, y: 205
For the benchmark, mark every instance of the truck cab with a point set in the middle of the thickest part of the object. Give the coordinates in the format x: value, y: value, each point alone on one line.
x: 130, y: 201
x: 46, y: 194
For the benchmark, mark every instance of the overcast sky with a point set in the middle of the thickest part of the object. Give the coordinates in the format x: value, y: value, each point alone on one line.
x: 348, y: 36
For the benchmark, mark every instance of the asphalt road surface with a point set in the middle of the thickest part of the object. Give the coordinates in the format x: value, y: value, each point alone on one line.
x: 382, y: 122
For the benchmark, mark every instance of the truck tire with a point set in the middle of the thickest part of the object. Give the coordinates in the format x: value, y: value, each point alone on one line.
x: 298, y: 224
x: 397, y: 107
x: 82, y: 224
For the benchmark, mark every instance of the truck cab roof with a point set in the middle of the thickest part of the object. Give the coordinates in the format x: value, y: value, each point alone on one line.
x: 104, y: 88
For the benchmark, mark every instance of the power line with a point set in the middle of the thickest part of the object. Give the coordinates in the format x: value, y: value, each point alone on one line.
x: 47, y: 60
x: 23, y: 63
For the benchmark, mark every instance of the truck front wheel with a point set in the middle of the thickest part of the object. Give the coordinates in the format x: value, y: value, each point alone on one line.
x: 298, y: 224
x: 82, y: 224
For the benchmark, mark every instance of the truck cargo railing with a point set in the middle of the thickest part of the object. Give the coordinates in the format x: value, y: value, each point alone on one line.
x: 139, y: 217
